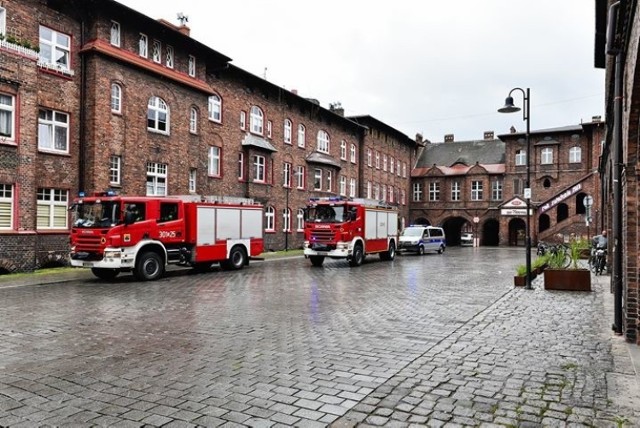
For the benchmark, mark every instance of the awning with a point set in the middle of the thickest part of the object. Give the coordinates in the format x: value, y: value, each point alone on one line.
x: 317, y: 157
x: 259, y: 142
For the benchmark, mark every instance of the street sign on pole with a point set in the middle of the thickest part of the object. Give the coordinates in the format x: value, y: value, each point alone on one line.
x: 527, y: 193
x: 588, y: 202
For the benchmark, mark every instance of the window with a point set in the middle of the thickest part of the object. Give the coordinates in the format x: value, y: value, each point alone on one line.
x: 300, y: 176
x: 256, y: 120
x: 168, y: 211
x: 546, y: 156
x: 156, y: 179
x: 317, y: 179
x: 286, y: 220
x: 269, y: 219
x: 116, y: 98
x: 301, y: 136
x: 368, y: 190
x: 3, y: 21
x: 455, y: 191
x: 369, y: 158
x: 329, y: 181
x: 496, y: 190
x: 7, y: 118
x: 385, y: 162
x: 300, y: 218
x: 214, y: 161
x: 521, y: 158
x: 55, y: 48
x: 517, y: 186
x: 115, y: 34
x: 434, y: 191
x: 269, y: 128
x: 476, y: 190
x: 241, y: 166
x: 391, y: 191
x: 53, y: 131
x: 575, y: 154
x: 287, y: 131
x: 192, y: 66
x: 158, y: 115
x: 115, y: 170
x: 343, y: 150
x: 6, y: 204
x: 286, y: 175
x: 402, y: 197
x: 343, y: 185
x: 52, y: 209
x: 353, y: 153
x: 392, y: 164
x: 156, y: 51
x: 168, y: 60
x: 404, y: 170
x: 243, y: 120
x: 215, y: 108
x: 352, y: 187
x: 376, y: 191
x: 259, y: 167
x: 384, y: 192
x: 193, y: 120
x: 193, y: 174
x: 417, y: 192
x: 323, y: 142
x: 143, y: 46
x: 398, y: 168
x: 377, y: 160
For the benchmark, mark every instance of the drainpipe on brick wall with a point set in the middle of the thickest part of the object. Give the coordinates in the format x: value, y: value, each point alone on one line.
x: 83, y: 90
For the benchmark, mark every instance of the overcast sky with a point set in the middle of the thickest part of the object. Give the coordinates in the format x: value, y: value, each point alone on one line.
x: 429, y: 67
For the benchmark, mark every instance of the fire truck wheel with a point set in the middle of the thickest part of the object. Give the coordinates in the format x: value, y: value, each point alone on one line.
x: 149, y: 266
x: 237, y: 259
x: 358, y: 256
x: 390, y: 254
x: 316, y: 260
x: 106, y: 274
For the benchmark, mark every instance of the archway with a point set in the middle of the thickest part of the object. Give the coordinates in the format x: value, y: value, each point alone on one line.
x: 453, y: 229
x: 490, y: 233
x: 562, y: 212
x: 544, y: 223
x: 422, y: 221
x: 517, y: 232
x: 580, y: 208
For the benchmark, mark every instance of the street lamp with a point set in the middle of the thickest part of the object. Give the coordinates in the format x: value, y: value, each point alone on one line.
x: 509, y: 107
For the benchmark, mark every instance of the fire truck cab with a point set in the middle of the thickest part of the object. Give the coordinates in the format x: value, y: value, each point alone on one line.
x: 112, y: 234
x: 347, y: 228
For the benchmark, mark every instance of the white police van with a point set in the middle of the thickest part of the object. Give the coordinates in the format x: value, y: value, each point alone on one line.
x: 419, y: 239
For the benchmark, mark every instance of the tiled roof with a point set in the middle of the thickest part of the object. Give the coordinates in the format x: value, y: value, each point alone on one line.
x: 457, y: 155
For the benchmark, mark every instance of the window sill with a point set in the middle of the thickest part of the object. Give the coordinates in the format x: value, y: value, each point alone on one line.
x: 55, y: 70
x: 155, y: 131
x: 218, y: 122
x: 214, y: 176
x: 270, y: 232
x: 53, y: 152
x: 8, y: 142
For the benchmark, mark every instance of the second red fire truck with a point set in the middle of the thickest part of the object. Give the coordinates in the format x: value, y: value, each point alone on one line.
x: 113, y: 234
x: 347, y: 228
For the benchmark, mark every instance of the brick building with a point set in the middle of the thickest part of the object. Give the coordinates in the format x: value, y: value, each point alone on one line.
x: 94, y: 95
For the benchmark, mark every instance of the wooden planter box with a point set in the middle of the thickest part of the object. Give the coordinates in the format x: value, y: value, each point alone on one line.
x: 567, y: 279
x: 520, y: 281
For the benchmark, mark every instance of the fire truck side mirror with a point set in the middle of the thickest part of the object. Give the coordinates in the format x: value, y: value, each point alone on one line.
x: 129, y: 217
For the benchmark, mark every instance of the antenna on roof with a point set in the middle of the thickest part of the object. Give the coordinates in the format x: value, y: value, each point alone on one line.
x: 182, y: 18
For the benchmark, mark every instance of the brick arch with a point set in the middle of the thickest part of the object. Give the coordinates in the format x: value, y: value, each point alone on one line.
x: 53, y: 259
x: 7, y: 266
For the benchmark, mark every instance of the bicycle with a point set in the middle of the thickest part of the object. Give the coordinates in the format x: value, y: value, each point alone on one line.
x: 599, y: 260
x: 558, y: 255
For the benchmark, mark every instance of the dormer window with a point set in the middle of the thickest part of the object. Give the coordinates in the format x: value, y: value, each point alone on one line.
x: 143, y: 46
x: 169, y: 57
x: 156, y: 52
x: 115, y: 34
x: 192, y: 66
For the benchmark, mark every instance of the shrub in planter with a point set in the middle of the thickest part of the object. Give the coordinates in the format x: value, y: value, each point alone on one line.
x: 558, y: 277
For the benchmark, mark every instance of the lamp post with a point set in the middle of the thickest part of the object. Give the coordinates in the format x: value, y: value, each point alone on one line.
x: 509, y: 107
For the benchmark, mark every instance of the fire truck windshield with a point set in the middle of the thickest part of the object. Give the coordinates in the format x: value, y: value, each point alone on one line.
x: 326, y: 214
x: 96, y: 214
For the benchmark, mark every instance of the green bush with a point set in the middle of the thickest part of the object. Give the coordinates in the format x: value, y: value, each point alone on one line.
x: 557, y: 260
x: 521, y: 270
x: 540, y: 261
x: 576, y: 246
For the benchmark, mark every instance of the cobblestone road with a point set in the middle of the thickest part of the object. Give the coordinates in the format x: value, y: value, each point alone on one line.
x: 437, y: 340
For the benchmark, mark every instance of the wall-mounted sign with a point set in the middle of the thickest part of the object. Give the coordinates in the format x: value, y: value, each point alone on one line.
x: 514, y: 211
x: 561, y: 197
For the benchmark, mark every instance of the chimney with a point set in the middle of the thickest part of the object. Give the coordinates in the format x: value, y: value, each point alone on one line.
x: 419, y: 138
x: 294, y: 91
x: 488, y: 135
x: 185, y: 30
x: 448, y: 138
x: 596, y: 119
x: 337, y: 109
x: 513, y: 129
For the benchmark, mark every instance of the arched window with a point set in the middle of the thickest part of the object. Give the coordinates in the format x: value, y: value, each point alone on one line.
x: 521, y: 158
x: 580, y: 208
x: 300, y: 220
x: 215, y: 108
x: 256, y: 120
x: 116, y: 98
x: 546, y: 183
x: 301, y: 135
x: 287, y: 131
x: 193, y: 120
x: 575, y: 155
x: 353, y: 155
x: 323, y: 142
x: 286, y: 220
x: 343, y: 150
x: 543, y: 223
x: 562, y: 212
x: 269, y: 219
x: 158, y: 115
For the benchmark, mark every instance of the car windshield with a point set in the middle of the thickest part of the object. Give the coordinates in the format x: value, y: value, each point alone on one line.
x: 412, y: 231
x: 326, y: 214
x: 96, y: 214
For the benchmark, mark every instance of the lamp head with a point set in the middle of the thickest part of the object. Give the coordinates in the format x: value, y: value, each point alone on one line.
x: 508, y: 106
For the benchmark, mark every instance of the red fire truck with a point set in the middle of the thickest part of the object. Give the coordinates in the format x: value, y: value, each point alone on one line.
x: 349, y: 228
x: 112, y: 234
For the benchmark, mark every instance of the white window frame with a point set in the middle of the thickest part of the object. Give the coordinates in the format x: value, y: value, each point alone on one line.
x: 392, y: 164
x: 496, y: 190
x: 286, y: 175
x: 6, y: 206
x: 376, y: 191
x: 193, y: 177
x: 398, y: 165
x: 269, y: 219
x: 240, y: 166
x: 352, y: 187
x: 353, y: 153
x: 287, y: 131
x: 157, y: 179
x: 8, y: 110
x: 403, y: 199
x: 57, y: 51
x: 243, y: 119
x: 434, y: 191
x: 213, y: 161
x: 317, y: 179
x: 476, y: 190
x: 259, y: 169
x: 417, y: 192
x: 114, y: 35
x: 269, y: 128
x: 369, y: 189
x: 156, y: 109
x: 215, y: 108
x: 143, y: 45
x: 3, y: 21
x: 384, y: 192
x: 521, y: 157
x: 256, y: 120
x: 51, y: 127
x: 115, y: 170
x: 323, y: 142
x: 329, y: 181
x: 301, y: 136
x: 391, y: 193
x: 300, y: 176
x: 169, y: 57
x: 286, y: 220
x: 193, y: 120
x: 116, y: 98
x: 300, y: 220
x: 385, y: 162
x: 455, y: 191
x: 546, y: 156
x: 192, y: 66
x: 343, y: 150
x: 54, y: 202
x: 377, y: 159
x: 369, y: 158
x: 575, y: 154
x: 156, y: 51
x: 343, y: 185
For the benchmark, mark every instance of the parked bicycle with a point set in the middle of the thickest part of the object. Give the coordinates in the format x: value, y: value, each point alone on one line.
x: 598, y: 260
x: 558, y: 252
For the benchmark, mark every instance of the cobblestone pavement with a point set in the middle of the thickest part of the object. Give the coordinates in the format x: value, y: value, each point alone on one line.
x: 437, y: 340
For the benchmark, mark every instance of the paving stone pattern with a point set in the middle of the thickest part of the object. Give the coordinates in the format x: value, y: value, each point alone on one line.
x: 437, y: 340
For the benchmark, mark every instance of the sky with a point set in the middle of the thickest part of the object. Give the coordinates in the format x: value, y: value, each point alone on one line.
x: 420, y: 66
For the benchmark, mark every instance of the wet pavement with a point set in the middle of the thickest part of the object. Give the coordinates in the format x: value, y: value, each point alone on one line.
x: 437, y: 340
